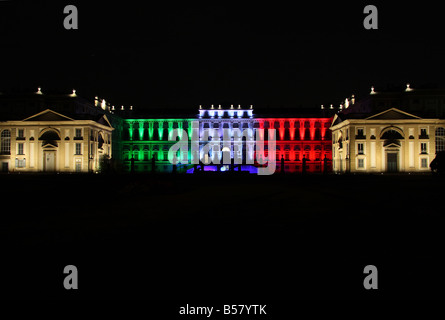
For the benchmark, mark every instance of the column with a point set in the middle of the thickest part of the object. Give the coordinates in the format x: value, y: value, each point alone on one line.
x: 170, y: 129
x: 292, y: 129
x: 411, y: 154
x: 302, y: 130
x: 141, y: 130
x: 282, y: 130
x: 312, y: 129
x: 131, y: 127
x: 323, y: 130
x: 150, y: 130
x: 67, y: 154
x: 160, y: 129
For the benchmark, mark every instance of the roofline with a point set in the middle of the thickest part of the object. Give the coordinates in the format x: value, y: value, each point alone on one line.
x: 45, y: 111
x: 392, y: 109
x: 386, y: 121
x: 21, y: 123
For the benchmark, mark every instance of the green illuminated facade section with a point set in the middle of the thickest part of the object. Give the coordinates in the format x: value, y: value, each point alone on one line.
x: 146, y: 142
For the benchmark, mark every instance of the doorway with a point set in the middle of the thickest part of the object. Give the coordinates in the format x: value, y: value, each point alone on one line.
x: 391, y: 162
x: 49, y: 161
x: 5, y: 167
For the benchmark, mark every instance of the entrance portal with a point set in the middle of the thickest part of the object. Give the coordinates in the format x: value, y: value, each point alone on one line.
x: 49, y: 161
x: 391, y: 162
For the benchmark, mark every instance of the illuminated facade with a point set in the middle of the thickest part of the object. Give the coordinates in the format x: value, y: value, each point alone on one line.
x: 146, y: 143
x: 52, y: 142
x: 374, y: 136
x: 15, y: 106
x: 298, y: 140
x: 390, y: 141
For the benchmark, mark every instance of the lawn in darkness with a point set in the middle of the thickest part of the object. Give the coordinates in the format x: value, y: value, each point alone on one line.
x: 223, y: 236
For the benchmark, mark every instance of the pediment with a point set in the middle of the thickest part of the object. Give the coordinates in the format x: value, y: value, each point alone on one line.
x: 48, y: 115
x: 336, y: 120
x: 392, y: 144
x: 392, y: 114
x: 50, y: 145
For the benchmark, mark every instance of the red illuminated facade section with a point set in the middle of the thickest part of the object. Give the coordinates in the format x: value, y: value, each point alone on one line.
x: 298, y: 141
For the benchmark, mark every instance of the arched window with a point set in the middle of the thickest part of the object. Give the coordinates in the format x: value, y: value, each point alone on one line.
x: 5, y: 142
x: 391, y: 135
x: 440, y: 139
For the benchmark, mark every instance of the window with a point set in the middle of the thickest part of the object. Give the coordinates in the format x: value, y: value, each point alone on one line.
x: 360, y: 132
x: 424, y: 163
x: 78, y: 149
x: 440, y: 139
x: 423, y: 132
x: 20, y: 134
x: 20, y: 163
x: 20, y: 149
x: 361, y: 163
x: 5, y: 147
x: 78, y: 133
x: 78, y: 165
x: 360, y: 148
x: 423, y: 148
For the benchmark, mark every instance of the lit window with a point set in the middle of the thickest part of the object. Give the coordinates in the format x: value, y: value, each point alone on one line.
x: 423, y: 148
x: 360, y: 148
x: 440, y: 139
x: 424, y: 163
x: 5, y: 142
x: 78, y: 149
x: 78, y: 165
x: 360, y: 132
x: 20, y: 133
x: 78, y: 133
x: 361, y: 163
x: 20, y: 163
x: 20, y: 149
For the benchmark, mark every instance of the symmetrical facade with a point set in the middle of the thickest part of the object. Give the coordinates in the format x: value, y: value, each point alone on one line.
x: 385, y: 132
x: 52, y: 142
x: 373, y: 135
x: 298, y: 140
x: 390, y: 141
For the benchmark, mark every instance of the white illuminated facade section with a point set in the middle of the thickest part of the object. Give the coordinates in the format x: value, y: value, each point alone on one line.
x: 234, y: 122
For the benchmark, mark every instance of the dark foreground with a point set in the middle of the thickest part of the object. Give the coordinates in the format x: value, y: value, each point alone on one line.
x: 213, y: 237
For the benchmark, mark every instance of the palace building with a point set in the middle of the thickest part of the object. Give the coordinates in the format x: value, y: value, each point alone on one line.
x: 51, y: 142
x: 387, y: 131
x: 305, y: 139
x: 57, y: 132
x: 390, y: 132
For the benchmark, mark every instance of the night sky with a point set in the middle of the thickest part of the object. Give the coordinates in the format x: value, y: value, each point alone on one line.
x: 183, y: 55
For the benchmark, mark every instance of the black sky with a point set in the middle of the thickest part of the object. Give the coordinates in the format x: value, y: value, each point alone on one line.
x: 183, y: 55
